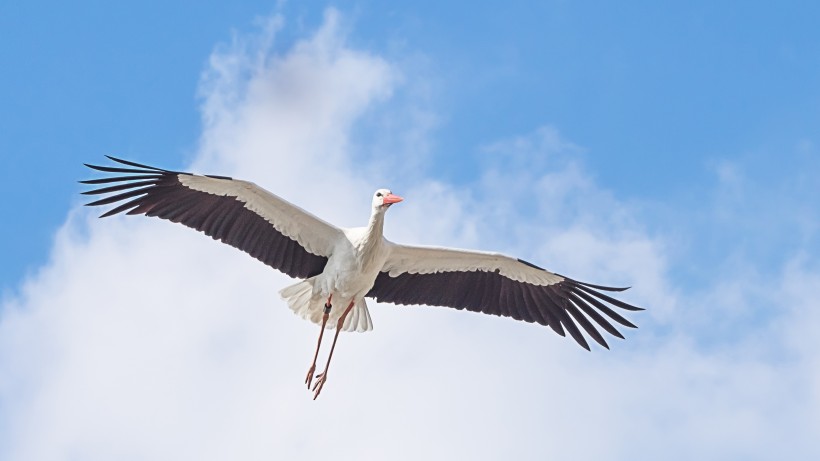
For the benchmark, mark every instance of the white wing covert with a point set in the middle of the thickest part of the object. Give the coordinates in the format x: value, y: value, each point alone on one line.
x: 496, y: 284
x: 235, y: 212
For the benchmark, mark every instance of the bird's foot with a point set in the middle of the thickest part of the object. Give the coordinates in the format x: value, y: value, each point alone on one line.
x: 309, y: 378
x: 320, y: 381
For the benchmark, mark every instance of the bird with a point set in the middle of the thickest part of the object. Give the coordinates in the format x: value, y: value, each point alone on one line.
x: 343, y: 266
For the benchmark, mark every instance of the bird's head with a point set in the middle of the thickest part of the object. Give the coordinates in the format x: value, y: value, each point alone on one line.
x: 383, y: 198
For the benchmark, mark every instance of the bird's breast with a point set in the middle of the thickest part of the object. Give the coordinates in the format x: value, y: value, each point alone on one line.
x: 352, y: 271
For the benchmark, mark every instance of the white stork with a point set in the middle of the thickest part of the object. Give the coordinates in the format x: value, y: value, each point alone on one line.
x: 344, y: 266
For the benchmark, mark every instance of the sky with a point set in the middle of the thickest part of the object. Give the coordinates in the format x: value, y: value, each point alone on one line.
x: 669, y: 148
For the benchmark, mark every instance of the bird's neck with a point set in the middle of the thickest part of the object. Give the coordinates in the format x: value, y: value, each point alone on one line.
x: 373, y: 231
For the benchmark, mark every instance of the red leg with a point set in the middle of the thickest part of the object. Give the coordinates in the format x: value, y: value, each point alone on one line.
x: 312, y: 369
x: 322, y: 377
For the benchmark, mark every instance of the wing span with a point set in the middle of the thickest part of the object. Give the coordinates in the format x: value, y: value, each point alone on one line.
x: 493, y: 283
x: 235, y: 212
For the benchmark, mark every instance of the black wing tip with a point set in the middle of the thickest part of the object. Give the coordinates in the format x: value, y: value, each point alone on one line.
x: 527, y: 263
x: 600, y: 287
x: 592, y: 285
x: 214, y: 176
x: 601, y: 342
x: 126, y: 162
x: 606, y: 288
x: 135, y: 164
x: 135, y: 167
x: 142, y: 168
x: 591, y: 289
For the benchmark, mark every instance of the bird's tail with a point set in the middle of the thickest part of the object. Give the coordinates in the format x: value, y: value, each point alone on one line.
x: 305, y: 304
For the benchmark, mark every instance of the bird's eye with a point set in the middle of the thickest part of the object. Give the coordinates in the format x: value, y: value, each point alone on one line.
x: 378, y: 194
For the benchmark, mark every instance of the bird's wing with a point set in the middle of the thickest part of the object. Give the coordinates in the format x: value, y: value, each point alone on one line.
x: 235, y: 212
x: 497, y: 284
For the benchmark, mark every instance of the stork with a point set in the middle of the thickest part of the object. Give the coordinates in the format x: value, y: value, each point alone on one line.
x: 342, y: 267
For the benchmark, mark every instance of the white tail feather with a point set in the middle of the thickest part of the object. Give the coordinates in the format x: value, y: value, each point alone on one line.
x: 303, y: 303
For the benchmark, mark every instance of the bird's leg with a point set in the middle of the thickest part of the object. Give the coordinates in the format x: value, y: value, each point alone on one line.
x: 322, y: 377
x: 312, y: 369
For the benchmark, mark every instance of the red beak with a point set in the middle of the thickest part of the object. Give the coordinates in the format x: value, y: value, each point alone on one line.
x: 390, y: 198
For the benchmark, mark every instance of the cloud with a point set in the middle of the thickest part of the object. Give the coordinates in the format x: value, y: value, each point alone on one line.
x: 141, y: 339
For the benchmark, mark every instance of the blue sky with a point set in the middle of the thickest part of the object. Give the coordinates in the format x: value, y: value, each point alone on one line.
x: 672, y: 148
x: 655, y: 94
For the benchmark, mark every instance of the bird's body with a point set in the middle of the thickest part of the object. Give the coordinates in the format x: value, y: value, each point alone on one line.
x: 356, y: 260
x: 354, y: 264
x: 341, y: 267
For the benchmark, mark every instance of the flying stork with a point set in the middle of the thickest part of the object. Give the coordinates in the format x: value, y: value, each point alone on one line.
x: 342, y: 267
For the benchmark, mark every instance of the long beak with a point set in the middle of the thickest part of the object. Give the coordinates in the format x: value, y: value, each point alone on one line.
x: 390, y: 199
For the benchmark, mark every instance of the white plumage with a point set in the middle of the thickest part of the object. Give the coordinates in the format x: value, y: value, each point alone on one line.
x: 341, y: 267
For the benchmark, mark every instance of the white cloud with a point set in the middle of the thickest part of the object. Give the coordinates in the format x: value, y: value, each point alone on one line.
x: 143, y: 340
